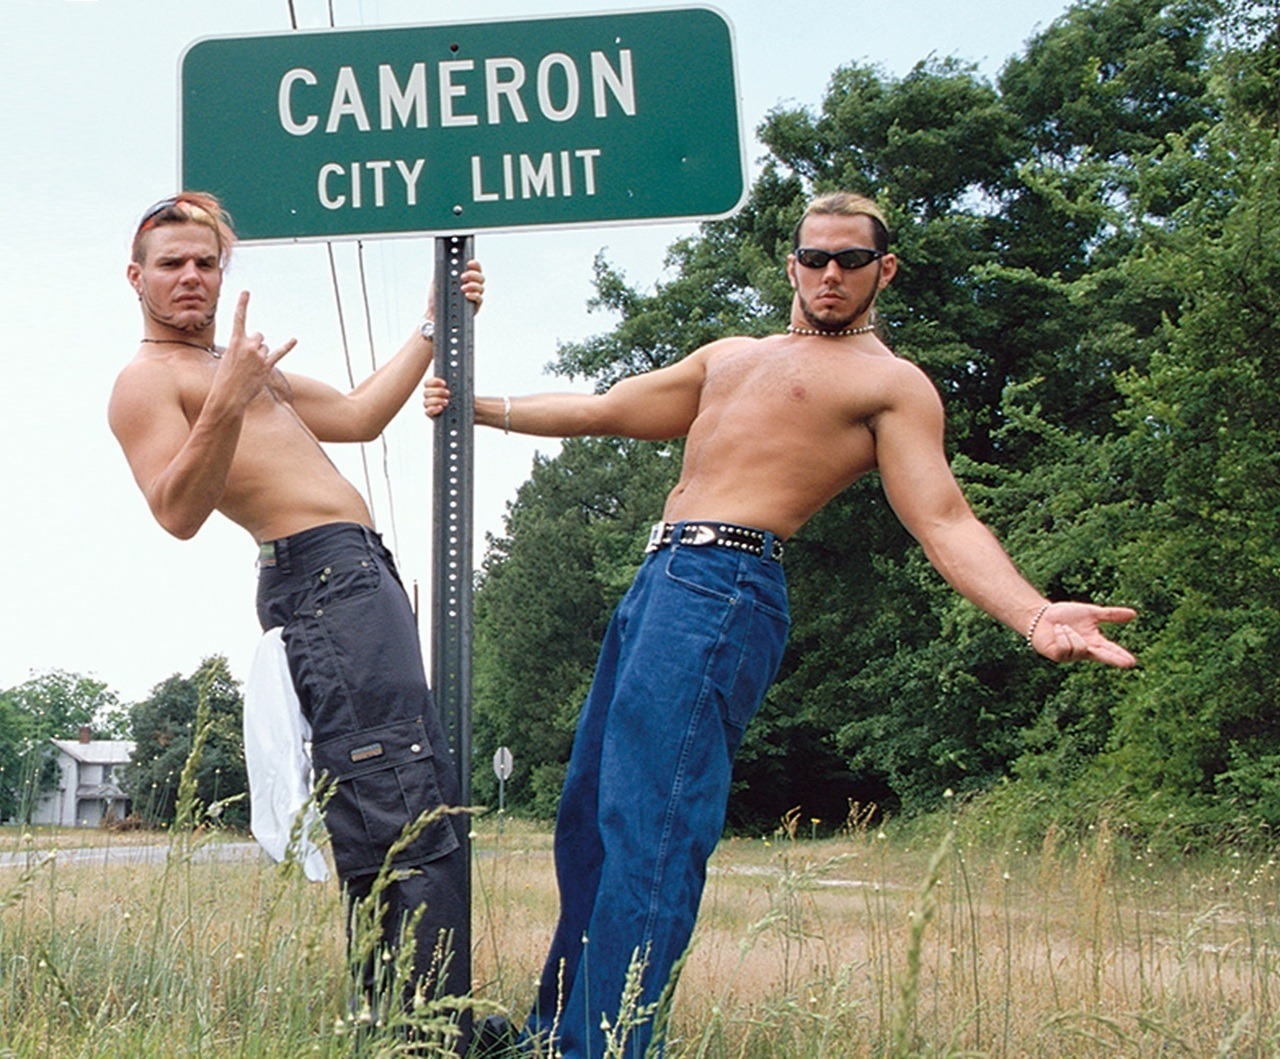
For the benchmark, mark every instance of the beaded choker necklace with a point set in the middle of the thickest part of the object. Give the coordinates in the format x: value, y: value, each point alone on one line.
x: 864, y: 329
x: 213, y: 351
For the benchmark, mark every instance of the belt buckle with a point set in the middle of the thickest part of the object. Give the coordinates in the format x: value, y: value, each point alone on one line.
x: 655, y: 537
x: 702, y: 534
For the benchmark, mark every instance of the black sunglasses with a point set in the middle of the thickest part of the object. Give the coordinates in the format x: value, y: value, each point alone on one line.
x: 155, y: 211
x: 853, y: 257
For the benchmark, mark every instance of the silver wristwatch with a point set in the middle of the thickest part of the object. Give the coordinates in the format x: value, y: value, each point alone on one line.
x: 428, y: 329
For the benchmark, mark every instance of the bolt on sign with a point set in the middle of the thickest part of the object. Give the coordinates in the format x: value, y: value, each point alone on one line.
x: 537, y: 122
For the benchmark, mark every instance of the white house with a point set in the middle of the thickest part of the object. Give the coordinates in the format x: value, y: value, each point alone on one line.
x: 88, y: 792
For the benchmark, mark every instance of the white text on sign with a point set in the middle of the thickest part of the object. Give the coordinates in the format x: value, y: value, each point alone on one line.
x: 463, y: 96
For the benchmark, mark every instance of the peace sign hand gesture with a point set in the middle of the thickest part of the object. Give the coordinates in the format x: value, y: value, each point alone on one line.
x: 248, y: 361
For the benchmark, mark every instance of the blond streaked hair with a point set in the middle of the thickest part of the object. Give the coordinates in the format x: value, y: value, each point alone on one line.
x: 186, y: 207
x: 845, y: 204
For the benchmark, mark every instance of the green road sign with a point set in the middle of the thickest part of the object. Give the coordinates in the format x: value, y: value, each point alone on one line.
x: 466, y: 127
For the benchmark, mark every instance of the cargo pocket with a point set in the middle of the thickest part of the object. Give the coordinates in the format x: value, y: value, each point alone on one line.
x: 342, y: 582
x: 384, y: 779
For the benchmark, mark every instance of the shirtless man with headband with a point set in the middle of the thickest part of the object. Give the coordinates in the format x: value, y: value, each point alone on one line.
x: 208, y: 427
x: 775, y: 428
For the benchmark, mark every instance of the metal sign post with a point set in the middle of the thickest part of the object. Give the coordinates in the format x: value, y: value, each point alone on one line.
x: 451, y: 589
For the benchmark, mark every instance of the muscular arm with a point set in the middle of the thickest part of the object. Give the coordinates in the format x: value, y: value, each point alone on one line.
x: 182, y: 467
x: 923, y: 492
x: 363, y: 413
x: 651, y: 407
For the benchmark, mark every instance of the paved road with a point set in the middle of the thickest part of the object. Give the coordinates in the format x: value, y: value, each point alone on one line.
x: 221, y: 852
x: 104, y: 855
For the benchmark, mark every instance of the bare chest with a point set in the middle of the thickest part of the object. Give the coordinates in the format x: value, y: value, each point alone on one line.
x: 268, y: 405
x: 823, y: 388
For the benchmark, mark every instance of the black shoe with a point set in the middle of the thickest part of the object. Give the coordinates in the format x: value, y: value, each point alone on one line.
x: 495, y: 1038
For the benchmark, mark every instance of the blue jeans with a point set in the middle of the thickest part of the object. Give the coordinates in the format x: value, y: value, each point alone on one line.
x: 688, y: 656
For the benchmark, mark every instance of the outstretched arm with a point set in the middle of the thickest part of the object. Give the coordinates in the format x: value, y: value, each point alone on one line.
x: 652, y: 407
x: 926, y: 497
x: 363, y: 413
x: 182, y: 467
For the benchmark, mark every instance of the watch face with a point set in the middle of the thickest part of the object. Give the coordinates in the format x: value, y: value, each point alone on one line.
x: 428, y: 329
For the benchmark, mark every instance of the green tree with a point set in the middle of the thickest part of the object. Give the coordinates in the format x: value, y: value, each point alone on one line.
x: 1111, y: 79
x: 21, y: 761
x: 1189, y: 491
x: 163, y: 728
x: 1201, y: 730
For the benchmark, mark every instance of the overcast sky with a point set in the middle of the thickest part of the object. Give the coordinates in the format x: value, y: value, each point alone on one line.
x: 89, y: 124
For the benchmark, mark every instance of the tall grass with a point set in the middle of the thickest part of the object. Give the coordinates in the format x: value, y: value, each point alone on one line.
x: 894, y: 941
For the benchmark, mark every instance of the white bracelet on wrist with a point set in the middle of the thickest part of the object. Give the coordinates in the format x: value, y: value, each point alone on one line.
x: 1031, y: 629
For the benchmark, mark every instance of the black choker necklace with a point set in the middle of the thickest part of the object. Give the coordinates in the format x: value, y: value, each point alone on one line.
x: 864, y: 329
x: 213, y: 351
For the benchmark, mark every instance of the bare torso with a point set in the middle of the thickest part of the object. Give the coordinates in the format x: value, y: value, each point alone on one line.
x: 280, y: 480
x: 783, y: 425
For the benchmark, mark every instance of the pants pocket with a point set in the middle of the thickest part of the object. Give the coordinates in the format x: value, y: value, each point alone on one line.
x: 753, y: 666
x: 344, y: 581
x: 384, y: 779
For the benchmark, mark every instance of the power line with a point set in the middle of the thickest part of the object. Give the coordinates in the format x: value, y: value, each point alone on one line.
x: 373, y: 363
x: 351, y: 375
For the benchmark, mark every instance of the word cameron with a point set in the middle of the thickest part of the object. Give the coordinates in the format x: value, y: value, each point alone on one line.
x: 459, y: 94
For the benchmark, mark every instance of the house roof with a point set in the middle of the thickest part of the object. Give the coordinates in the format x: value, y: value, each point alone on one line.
x: 105, y: 792
x: 97, y: 751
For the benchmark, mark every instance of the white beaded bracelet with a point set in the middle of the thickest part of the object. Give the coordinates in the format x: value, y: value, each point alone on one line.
x: 1031, y: 629
x: 506, y: 415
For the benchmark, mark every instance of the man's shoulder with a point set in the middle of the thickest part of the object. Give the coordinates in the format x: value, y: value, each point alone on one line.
x: 874, y: 381
x: 897, y: 370
x: 145, y: 370
x: 732, y: 345
x: 739, y: 342
x: 148, y: 379
x: 906, y: 387
x: 913, y: 376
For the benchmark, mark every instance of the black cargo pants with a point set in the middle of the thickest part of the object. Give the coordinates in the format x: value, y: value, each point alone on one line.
x: 356, y: 663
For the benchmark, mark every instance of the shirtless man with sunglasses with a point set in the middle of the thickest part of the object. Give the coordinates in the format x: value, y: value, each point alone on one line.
x: 775, y: 428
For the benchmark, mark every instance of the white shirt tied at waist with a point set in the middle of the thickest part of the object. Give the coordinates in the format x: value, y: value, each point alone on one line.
x: 275, y: 751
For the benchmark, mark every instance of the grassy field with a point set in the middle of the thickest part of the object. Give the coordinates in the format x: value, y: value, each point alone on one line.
x: 870, y: 943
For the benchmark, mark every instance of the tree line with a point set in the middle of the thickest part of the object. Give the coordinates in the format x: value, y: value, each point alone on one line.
x: 163, y: 728
x: 1089, y: 250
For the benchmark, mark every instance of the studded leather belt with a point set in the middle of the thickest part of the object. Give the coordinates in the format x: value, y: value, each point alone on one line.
x: 723, y: 534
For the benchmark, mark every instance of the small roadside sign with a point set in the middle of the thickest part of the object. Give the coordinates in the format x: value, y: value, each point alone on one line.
x: 503, y: 763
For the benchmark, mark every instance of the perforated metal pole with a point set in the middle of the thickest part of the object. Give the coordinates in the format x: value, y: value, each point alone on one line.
x: 451, y: 589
